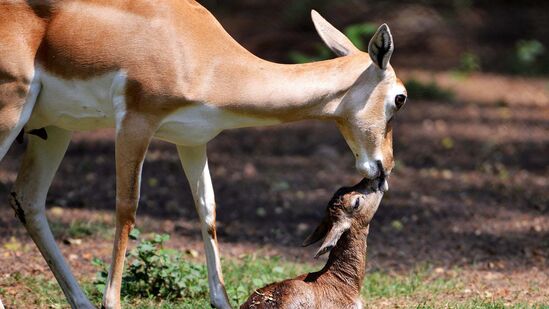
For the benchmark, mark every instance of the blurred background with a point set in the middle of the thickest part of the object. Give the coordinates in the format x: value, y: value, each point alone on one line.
x: 469, y: 197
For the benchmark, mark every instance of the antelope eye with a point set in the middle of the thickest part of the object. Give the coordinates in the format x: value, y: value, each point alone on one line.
x: 400, y: 100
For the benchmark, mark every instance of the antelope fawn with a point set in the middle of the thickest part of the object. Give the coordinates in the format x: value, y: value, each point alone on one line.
x: 344, y: 229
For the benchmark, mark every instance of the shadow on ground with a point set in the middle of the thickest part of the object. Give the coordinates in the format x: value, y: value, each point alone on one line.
x: 469, y: 186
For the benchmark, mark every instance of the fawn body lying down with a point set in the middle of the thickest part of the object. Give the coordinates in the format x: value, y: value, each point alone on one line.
x: 337, y: 285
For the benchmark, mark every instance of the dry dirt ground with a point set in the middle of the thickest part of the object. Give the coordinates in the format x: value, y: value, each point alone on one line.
x: 469, y: 192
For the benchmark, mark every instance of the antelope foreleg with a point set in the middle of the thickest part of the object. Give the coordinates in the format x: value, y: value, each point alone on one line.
x: 132, y: 140
x: 195, y: 164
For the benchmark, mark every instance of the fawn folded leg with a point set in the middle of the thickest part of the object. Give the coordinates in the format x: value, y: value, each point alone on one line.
x: 28, y: 199
x: 195, y: 164
x: 133, y: 136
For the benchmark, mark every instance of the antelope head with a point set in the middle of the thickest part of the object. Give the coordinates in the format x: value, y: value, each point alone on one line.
x: 350, y: 207
x: 366, y: 110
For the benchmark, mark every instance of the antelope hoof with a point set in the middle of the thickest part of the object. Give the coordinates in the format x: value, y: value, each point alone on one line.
x: 81, y: 302
x: 107, y: 305
x: 220, y: 303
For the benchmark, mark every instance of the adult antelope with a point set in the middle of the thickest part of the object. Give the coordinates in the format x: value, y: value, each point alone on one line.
x: 167, y: 69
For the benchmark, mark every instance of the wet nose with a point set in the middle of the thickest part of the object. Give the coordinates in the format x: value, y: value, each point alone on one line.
x: 383, y: 185
x: 380, y: 169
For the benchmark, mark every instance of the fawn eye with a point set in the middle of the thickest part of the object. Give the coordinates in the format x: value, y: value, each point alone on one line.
x: 400, y: 100
x: 357, y: 203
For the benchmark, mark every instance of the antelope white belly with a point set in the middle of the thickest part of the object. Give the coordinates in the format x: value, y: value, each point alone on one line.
x: 74, y: 104
x: 78, y: 105
x: 198, y: 124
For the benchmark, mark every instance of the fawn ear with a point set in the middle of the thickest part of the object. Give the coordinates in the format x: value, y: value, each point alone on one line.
x: 381, y: 47
x: 332, y: 238
x: 333, y: 38
x: 319, y: 233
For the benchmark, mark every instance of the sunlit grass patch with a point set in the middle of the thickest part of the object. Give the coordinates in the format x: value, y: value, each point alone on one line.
x: 31, y: 292
x: 481, y: 304
x: 251, y: 272
x: 160, y: 277
x: 39, y: 292
x: 155, y: 273
x: 81, y: 229
x: 379, y: 284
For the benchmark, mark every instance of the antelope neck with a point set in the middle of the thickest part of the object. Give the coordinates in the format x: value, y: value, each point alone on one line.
x: 288, y: 92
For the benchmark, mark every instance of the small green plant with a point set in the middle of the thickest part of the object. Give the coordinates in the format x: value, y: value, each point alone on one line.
x: 157, y: 272
x: 528, y: 51
x: 469, y: 63
x: 427, y: 91
x: 529, y: 57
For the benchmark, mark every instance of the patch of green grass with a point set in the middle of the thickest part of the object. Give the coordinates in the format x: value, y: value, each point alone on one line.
x: 379, y: 284
x: 481, y: 304
x: 155, y: 273
x: 81, y: 229
x: 245, y: 275
x: 37, y: 292
x: 428, y: 91
x: 250, y: 273
x: 158, y: 277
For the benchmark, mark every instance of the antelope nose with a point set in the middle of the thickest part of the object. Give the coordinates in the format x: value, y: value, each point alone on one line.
x: 383, y: 184
x: 368, y: 169
x: 380, y: 169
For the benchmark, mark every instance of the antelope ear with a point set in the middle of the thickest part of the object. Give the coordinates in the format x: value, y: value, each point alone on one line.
x: 333, y: 38
x: 381, y: 47
x: 332, y: 238
x: 319, y: 233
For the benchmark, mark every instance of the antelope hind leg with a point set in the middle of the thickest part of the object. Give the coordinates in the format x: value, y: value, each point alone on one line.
x: 28, y: 199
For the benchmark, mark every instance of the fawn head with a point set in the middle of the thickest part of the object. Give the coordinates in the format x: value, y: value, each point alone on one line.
x: 349, y: 207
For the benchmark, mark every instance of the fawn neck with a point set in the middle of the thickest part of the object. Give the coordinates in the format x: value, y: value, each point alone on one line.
x: 347, y: 261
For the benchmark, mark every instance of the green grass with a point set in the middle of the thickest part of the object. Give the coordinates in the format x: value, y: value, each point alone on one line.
x: 38, y: 292
x: 244, y: 275
x: 379, y: 284
x: 241, y: 278
x: 482, y: 304
x: 81, y: 229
